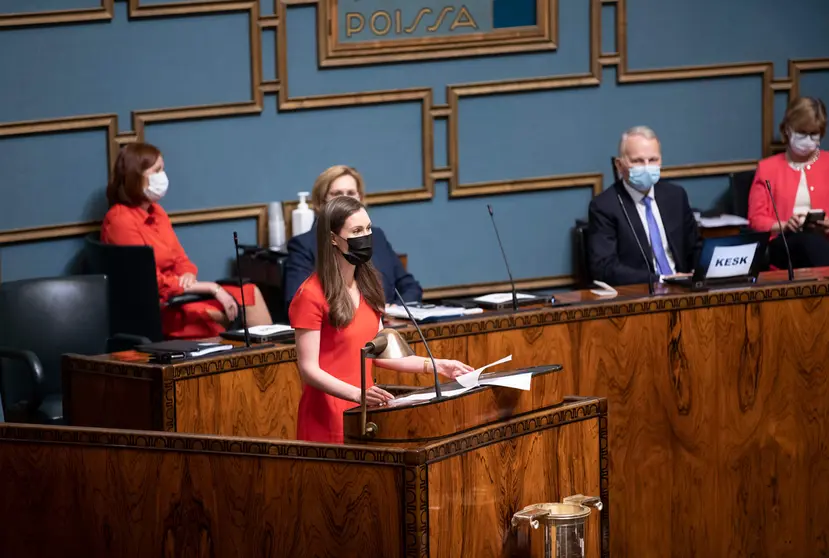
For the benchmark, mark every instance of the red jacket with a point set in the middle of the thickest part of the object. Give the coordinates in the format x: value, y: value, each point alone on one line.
x: 784, y: 181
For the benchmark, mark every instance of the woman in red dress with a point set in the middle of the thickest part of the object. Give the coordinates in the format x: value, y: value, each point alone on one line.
x: 335, y: 312
x: 135, y: 218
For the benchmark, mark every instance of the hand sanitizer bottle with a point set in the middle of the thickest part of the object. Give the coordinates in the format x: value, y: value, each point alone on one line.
x: 302, y: 218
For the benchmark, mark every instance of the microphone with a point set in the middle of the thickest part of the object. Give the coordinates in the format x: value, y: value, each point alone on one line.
x: 639, y: 244
x: 242, y: 289
x: 506, y: 263
x: 782, y: 233
x: 425, y: 344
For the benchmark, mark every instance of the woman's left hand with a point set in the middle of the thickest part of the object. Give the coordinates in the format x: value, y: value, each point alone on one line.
x: 452, y: 368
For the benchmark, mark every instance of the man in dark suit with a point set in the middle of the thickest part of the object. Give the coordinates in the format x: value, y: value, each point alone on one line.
x: 659, y: 214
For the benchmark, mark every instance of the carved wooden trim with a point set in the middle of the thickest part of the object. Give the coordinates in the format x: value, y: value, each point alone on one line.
x: 231, y: 213
x: 162, y: 441
x: 473, y: 289
x: 542, y: 37
x: 416, y: 511
x: 568, y: 412
x: 236, y: 361
x: 169, y: 394
x: 78, y: 15
x: 604, y: 482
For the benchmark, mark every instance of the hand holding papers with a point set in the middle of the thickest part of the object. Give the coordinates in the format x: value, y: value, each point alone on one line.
x: 472, y: 380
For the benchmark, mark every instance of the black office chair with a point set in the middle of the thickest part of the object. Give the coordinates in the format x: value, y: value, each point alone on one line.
x: 739, y: 188
x: 40, y: 320
x: 581, y: 262
x: 133, y: 288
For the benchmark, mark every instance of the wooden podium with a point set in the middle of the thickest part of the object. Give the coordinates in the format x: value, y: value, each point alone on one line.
x: 488, y: 452
x: 444, y: 481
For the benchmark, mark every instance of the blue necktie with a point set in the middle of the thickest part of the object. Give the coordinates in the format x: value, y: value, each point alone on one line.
x: 656, y: 239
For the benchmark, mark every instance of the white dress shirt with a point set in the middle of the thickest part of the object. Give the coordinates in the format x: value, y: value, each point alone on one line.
x: 639, y: 202
x: 802, y: 200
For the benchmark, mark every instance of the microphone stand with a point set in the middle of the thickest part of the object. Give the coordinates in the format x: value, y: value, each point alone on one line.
x: 782, y: 233
x: 506, y: 263
x: 242, y: 290
x: 425, y: 344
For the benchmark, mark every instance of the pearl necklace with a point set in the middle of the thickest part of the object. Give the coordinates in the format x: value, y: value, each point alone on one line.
x: 808, y: 163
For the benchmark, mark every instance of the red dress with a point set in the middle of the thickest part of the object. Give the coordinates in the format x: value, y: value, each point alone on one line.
x: 133, y: 226
x: 320, y: 416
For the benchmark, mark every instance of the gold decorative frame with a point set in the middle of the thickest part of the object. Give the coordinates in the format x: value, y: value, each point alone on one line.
x: 259, y: 212
x: 424, y: 96
x: 331, y: 52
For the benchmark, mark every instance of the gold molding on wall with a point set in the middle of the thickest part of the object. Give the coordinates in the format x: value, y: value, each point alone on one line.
x: 79, y: 15
x: 424, y: 96
x: 332, y: 53
x: 193, y: 216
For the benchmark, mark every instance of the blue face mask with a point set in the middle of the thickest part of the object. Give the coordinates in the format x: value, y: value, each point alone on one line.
x: 643, y: 177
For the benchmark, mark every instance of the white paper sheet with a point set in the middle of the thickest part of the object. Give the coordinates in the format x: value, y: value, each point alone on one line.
x: 470, y: 380
x: 515, y: 381
x: 500, y: 298
x: 426, y: 396
x: 421, y: 314
x: 606, y: 290
x: 269, y: 329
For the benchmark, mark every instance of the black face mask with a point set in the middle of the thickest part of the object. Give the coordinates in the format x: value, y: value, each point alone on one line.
x: 359, y: 249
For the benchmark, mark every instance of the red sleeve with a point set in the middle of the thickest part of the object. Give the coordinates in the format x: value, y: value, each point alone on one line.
x: 307, y: 309
x: 760, y: 212
x: 183, y: 264
x: 120, y: 230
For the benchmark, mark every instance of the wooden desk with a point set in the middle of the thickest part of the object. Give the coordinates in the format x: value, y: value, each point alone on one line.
x: 718, y: 404
x: 119, y: 493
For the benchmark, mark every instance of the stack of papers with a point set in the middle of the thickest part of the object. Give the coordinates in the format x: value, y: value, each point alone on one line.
x: 269, y: 329
x: 723, y: 220
x: 501, y: 298
x: 422, y: 314
x: 471, y: 381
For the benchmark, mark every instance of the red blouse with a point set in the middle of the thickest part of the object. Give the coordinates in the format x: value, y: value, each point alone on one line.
x: 784, y: 181
x: 133, y: 226
x: 320, y: 416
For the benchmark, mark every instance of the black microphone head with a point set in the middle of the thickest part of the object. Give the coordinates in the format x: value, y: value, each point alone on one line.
x: 489, y: 208
x: 235, y: 238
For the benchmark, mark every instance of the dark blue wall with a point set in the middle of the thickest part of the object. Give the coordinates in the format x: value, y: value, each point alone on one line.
x: 125, y: 65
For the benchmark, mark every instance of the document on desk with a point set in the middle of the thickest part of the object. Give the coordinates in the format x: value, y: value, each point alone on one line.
x: 501, y: 298
x: 422, y: 314
x: 467, y: 381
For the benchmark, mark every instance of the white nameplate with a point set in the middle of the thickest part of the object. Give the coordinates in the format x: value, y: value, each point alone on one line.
x: 731, y: 261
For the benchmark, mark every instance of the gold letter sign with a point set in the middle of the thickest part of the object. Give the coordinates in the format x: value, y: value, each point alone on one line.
x: 376, y: 31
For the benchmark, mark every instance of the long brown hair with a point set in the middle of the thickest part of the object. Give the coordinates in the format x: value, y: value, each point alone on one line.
x: 332, y: 218
x: 127, y: 183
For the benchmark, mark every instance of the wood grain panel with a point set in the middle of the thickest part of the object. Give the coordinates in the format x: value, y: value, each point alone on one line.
x: 260, y: 401
x: 71, y: 500
x: 473, y: 518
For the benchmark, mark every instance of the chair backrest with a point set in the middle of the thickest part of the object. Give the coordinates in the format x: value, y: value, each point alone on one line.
x: 51, y: 317
x: 133, y: 290
x: 739, y: 186
x: 581, y: 263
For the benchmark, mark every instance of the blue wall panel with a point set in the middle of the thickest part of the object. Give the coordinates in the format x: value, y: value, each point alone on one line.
x: 118, y: 66
x: 121, y: 66
x: 671, y: 33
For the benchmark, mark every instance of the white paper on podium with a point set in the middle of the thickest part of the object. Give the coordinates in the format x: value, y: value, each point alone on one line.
x: 515, y: 381
x: 467, y: 381
x: 470, y: 380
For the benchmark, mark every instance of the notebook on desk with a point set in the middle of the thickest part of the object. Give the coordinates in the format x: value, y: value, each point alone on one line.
x: 183, y: 347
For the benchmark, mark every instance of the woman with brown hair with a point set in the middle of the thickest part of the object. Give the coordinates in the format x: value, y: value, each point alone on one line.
x: 799, y: 180
x: 335, y: 181
x: 335, y: 312
x: 135, y: 218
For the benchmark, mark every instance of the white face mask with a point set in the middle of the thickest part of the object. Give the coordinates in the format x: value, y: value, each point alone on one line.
x: 157, y: 187
x: 803, y: 144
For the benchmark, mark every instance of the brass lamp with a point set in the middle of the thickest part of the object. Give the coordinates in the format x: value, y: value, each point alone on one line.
x: 387, y: 344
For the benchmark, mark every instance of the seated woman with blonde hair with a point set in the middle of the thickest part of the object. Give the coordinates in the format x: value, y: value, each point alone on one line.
x: 136, y: 218
x: 333, y: 182
x: 799, y: 180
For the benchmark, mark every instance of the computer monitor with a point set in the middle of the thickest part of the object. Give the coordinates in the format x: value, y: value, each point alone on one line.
x: 726, y: 260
